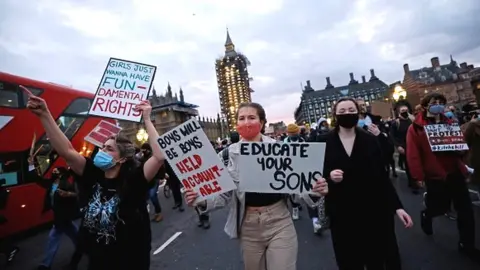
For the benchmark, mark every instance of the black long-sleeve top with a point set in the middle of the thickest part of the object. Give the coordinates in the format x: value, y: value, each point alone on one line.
x: 366, y: 190
x: 398, y: 132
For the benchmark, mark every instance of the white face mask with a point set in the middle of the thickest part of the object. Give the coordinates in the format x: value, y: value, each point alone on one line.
x: 31, y: 168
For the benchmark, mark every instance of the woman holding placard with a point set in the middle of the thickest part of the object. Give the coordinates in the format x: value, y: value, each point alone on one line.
x: 115, y: 226
x: 362, y: 200
x: 261, y: 221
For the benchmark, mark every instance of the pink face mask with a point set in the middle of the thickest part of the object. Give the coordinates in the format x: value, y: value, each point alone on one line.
x: 249, y: 131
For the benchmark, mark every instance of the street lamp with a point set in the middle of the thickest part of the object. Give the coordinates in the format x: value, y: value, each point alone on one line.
x: 142, y: 135
x: 399, y: 93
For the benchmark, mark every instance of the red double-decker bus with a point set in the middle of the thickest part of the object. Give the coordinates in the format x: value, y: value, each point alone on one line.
x: 22, y: 136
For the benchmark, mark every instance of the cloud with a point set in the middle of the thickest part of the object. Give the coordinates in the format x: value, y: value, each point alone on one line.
x: 288, y: 42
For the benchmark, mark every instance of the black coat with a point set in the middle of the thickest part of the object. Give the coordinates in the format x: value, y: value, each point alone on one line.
x: 386, y: 142
x: 65, y: 209
x: 361, y: 207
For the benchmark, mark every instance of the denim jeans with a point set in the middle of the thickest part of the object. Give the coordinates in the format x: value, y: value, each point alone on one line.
x: 152, y: 194
x: 70, y: 229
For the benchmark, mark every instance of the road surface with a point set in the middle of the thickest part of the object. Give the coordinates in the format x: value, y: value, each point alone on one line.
x: 182, y: 245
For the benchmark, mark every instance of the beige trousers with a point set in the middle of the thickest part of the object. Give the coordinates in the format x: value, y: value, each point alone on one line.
x: 268, y: 239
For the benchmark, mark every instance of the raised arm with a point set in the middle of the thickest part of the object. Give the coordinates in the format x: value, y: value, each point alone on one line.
x: 154, y: 163
x: 57, y: 139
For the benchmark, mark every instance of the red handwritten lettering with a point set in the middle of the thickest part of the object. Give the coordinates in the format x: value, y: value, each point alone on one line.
x: 208, y: 175
x: 189, y: 164
x: 210, y: 188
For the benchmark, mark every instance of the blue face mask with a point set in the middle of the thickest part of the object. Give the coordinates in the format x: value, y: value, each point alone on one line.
x: 103, y: 161
x: 436, y: 109
x: 361, y: 123
x: 450, y: 115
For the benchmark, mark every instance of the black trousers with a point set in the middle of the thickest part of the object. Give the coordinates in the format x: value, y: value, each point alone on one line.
x: 313, y: 212
x: 401, y: 160
x: 440, y: 196
x: 80, y: 249
x: 411, y: 181
x: 139, y: 260
x: 390, y: 164
x: 175, y: 187
x: 293, y: 202
x: 202, y: 217
x: 360, y: 246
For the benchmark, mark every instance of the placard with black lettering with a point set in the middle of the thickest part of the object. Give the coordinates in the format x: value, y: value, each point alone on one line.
x: 278, y: 167
x: 444, y: 137
x: 124, y: 84
x: 194, y: 161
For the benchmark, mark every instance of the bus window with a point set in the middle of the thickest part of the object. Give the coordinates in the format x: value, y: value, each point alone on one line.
x: 35, y: 91
x: 79, y: 107
x: 70, y: 122
x: 10, y: 167
x: 9, y: 96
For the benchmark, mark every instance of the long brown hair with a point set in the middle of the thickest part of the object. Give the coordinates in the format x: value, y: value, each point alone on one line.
x: 126, y: 150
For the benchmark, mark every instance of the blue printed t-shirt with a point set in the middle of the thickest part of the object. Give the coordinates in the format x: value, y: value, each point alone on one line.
x: 114, y: 224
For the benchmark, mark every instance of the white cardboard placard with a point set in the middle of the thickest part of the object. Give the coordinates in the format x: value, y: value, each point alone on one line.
x: 444, y: 137
x: 194, y: 161
x: 276, y: 167
x: 124, y: 84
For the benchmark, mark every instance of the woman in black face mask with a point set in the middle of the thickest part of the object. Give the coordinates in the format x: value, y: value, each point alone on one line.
x: 362, y: 200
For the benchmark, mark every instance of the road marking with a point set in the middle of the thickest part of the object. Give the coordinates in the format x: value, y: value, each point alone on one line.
x: 169, y: 241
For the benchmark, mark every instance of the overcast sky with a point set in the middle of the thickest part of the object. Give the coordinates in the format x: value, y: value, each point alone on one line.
x: 287, y: 42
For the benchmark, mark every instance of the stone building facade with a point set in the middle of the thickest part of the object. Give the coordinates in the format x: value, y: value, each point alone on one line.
x: 214, y: 128
x: 316, y: 104
x: 451, y: 80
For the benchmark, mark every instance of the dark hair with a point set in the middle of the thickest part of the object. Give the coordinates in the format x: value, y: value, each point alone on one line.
x: 125, y: 146
x: 435, y: 96
x: 126, y: 150
x: 234, y: 137
x: 260, y: 112
x: 64, y: 176
x: 146, y: 146
x: 470, y: 106
x: 94, y: 152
